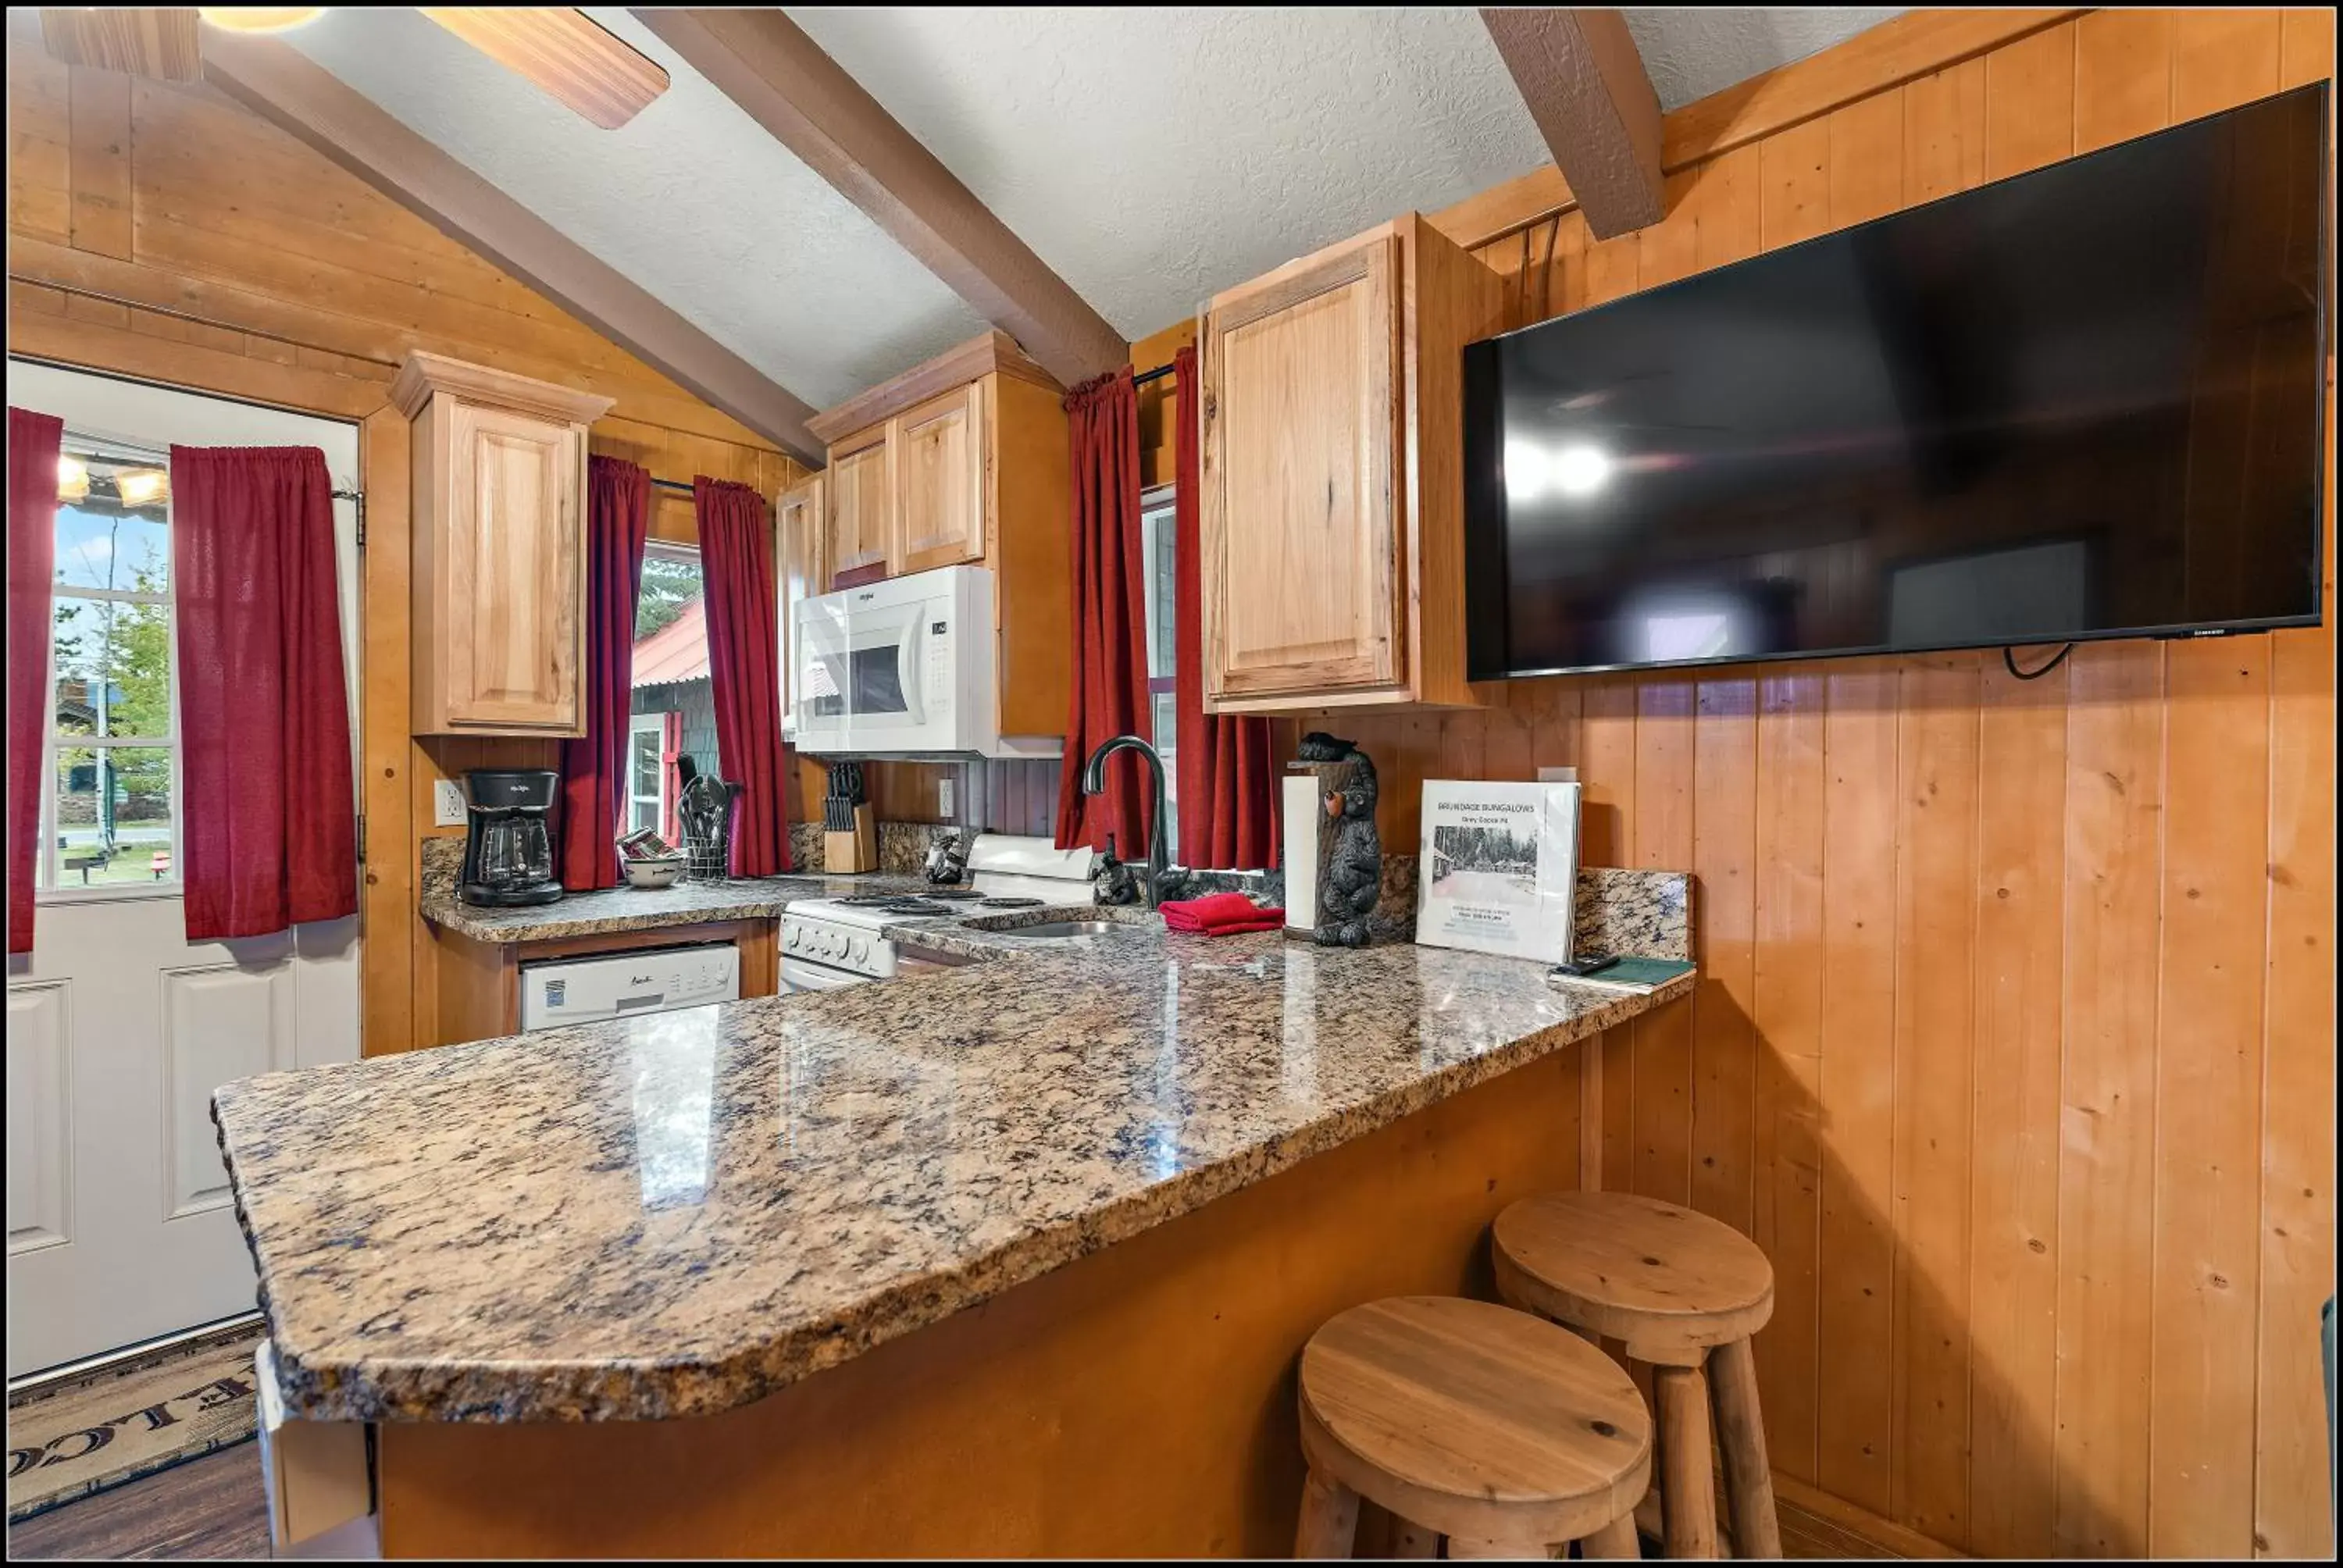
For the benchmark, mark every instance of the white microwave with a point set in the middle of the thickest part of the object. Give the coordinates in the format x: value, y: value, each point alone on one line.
x: 902, y: 668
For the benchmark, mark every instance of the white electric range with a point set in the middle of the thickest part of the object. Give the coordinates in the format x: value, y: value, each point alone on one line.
x: 831, y: 943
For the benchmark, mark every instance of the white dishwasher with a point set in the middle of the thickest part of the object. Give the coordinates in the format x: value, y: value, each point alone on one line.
x: 563, y: 991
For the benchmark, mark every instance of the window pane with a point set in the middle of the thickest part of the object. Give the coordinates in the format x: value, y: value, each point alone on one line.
x: 129, y: 549
x: 646, y: 763
x: 113, y: 816
x: 114, y: 667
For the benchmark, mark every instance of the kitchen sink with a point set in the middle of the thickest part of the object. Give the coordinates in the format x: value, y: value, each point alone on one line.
x: 1055, y: 931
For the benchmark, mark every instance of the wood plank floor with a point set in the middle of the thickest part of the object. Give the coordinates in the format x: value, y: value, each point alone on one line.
x: 211, y: 1507
x: 214, y: 1508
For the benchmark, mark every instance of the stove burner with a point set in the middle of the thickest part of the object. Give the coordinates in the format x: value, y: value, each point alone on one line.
x: 1014, y: 903
x: 952, y: 893
x: 870, y: 900
x: 915, y: 907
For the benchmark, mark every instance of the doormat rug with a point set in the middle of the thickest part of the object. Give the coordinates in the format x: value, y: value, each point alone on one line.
x: 79, y: 1435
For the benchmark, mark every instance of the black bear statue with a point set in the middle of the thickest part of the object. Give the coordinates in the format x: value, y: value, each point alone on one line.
x: 1350, y: 849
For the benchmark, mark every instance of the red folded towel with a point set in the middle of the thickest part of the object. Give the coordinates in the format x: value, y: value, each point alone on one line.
x: 1220, y: 915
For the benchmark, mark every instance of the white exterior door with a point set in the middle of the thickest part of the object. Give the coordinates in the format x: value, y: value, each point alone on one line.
x: 120, y: 1223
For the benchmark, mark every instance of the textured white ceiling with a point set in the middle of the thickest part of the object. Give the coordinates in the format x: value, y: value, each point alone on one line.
x: 1692, y: 51
x: 1150, y: 156
x: 1153, y: 157
x: 690, y: 199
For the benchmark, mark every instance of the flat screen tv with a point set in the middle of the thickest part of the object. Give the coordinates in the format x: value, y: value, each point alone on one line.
x: 2083, y: 402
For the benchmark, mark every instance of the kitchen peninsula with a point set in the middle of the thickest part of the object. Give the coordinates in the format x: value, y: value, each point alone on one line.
x: 1013, y: 1258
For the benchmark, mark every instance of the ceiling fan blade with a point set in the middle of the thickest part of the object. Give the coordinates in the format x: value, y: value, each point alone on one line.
x: 150, y: 41
x: 565, y: 52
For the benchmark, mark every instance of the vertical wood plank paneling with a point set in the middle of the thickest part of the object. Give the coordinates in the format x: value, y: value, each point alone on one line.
x: 1723, y: 1054
x: 1855, y: 1385
x: 2119, y: 68
x: 2292, y: 1515
x: 1664, y: 842
x: 1935, y: 887
x: 2115, y: 821
x: 2208, y: 1099
x: 1943, y: 132
x: 1606, y: 772
x: 1794, y: 184
x: 387, y: 901
x: 1787, y: 983
x: 2020, y: 900
x: 1609, y: 268
x: 1867, y: 160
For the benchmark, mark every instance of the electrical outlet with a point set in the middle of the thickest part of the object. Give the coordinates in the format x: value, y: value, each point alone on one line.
x: 447, y: 804
x: 944, y: 799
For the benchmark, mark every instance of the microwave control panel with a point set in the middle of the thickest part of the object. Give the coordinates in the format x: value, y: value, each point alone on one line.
x: 938, y: 675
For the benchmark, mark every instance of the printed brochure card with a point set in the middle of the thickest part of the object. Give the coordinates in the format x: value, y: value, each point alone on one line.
x: 1499, y: 867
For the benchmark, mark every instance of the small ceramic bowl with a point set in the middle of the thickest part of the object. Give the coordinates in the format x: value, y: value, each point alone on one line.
x: 664, y: 872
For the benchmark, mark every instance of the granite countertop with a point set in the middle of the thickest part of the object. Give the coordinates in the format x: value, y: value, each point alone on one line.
x: 644, y: 909
x: 672, y: 1215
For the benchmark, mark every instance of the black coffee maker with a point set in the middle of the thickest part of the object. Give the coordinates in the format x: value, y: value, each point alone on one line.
x: 509, y: 852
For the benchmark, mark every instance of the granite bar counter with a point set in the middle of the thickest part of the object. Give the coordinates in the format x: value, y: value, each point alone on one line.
x: 710, y: 1213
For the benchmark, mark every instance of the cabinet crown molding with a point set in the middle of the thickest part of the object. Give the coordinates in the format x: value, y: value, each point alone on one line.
x: 956, y: 367
x: 422, y: 375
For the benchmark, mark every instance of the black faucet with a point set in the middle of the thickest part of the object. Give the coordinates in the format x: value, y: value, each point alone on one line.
x: 1094, y: 782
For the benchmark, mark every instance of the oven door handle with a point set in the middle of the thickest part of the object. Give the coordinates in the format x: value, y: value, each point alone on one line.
x: 908, y: 665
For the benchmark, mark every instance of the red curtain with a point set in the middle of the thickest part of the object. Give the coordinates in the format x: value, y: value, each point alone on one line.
x: 1109, y: 652
x: 594, y: 766
x: 736, y: 563
x: 32, y: 443
x: 1228, y: 780
x: 270, y: 831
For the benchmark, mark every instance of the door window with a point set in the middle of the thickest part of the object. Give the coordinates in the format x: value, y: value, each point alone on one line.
x: 110, y: 804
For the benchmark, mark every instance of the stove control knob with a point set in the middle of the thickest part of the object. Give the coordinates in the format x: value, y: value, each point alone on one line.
x: 833, y: 944
x: 794, y: 937
x: 859, y: 950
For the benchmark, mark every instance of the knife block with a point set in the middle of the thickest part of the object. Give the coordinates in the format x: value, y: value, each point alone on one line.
x: 856, y: 851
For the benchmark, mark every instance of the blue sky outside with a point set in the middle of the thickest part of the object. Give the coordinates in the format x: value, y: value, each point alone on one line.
x: 90, y: 546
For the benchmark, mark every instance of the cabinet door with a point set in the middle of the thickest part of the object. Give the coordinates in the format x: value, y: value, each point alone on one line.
x: 796, y: 522
x: 860, y: 514
x: 939, y: 449
x: 515, y: 577
x: 1301, y: 528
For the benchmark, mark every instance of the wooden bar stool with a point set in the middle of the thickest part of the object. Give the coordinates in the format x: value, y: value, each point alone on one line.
x: 1505, y: 1434
x: 1686, y: 1293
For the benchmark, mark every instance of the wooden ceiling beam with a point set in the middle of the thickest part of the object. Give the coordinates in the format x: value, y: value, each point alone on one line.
x: 284, y: 87
x: 767, y: 64
x: 1586, y: 87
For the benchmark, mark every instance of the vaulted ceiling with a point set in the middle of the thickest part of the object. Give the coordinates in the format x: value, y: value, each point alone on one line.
x: 1148, y: 156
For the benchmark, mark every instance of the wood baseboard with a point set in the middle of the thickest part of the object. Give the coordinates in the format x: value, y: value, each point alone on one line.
x: 1884, y: 1537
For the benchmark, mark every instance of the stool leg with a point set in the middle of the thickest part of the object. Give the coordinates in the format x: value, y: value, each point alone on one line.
x: 1741, y: 1432
x: 1329, y: 1518
x: 1508, y: 1550
x: 1409, y: 1539
x: 1616, y: 1538
x: 1687, y: 1494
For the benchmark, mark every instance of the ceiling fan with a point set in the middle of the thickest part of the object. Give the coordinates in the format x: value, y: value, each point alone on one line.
x: 561, y: 48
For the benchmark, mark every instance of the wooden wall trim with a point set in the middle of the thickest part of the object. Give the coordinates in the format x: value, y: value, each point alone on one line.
x: 1897, y: 50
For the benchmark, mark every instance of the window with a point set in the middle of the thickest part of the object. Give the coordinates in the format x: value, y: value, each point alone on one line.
x: 110, y: 811
x: 646, y: 792
x: 674, y: 705
x: 1158, y: 536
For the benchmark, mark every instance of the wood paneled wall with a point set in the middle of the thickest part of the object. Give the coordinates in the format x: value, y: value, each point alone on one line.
x: 160, y: 231
x: 2015, y: 1044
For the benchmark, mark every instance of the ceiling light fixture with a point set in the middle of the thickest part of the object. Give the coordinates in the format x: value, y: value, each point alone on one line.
x: 73, y: 478
x: 258, y: 18
x: 141, y: 487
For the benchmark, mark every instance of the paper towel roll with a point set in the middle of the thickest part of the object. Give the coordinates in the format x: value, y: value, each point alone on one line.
x: 1303, y: 819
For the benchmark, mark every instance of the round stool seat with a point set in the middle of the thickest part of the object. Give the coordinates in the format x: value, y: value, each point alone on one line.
x: 1671, y: 1282
x: 1473, y: 1420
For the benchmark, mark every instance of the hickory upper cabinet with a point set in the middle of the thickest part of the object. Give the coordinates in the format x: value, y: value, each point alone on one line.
x: 917, y: 475
x: 1332, y: 565
x: 798, y: 558
x: 498, y: 572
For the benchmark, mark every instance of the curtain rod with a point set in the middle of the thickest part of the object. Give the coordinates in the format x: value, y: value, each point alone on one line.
x: 1157, y: 374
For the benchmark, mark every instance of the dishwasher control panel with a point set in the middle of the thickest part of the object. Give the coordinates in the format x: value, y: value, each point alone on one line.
x: 595, y: 989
